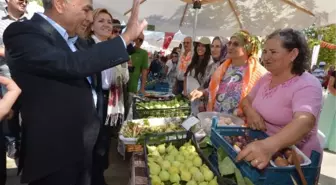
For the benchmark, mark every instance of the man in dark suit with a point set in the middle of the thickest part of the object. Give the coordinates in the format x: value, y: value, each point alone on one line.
x: 58, y: 101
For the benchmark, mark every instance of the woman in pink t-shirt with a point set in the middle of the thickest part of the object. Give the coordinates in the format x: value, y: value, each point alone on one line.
x: 286, y: 102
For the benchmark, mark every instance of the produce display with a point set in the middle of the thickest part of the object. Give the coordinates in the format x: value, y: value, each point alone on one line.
x: 162, y: 104
x: 281, y: 159
x: 177, y: 107
x: 178, y: 166
x: 135, y: 129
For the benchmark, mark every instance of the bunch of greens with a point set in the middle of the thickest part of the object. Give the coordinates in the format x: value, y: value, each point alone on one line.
x: 229, y: 170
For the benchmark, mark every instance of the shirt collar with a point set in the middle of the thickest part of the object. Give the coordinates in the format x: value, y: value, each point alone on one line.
x: 95, y: 38
x: 7, y: 16
x: 60, y: 29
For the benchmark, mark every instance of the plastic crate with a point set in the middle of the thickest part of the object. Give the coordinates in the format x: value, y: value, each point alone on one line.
x: 270, y: 175
x: 161, y: 87
x: 140, y: 112
x: 178, y: 139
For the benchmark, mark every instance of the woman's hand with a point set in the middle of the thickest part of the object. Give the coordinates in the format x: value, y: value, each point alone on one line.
x: 259, y: 153
x: 8, y: 100
x: 196, y: 94
x: 254, y: 119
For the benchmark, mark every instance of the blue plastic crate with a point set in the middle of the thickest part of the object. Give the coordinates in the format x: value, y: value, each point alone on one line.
x: 161, y: 87
x: 270, y: 175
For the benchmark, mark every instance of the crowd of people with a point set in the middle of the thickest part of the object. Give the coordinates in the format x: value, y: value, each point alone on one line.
x: 78, y: 72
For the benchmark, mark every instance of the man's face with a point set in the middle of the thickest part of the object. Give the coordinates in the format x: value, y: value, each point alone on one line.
x: 19, y: 5
x: 116, y: 30
x: 75, y: 14
x: 187, y: 42
x: 139, y: 40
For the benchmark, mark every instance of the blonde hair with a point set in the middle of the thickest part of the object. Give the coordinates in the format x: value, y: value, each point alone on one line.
x: 95, y: 13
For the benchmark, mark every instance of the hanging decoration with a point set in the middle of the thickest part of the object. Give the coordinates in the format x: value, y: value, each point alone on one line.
x: 324, y: 44
x: 167, y: 40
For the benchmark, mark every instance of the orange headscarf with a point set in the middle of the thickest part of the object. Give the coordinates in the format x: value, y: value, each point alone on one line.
x: 253, y: 72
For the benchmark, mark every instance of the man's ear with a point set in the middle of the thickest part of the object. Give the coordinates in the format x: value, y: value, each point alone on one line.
x: 59, y: 5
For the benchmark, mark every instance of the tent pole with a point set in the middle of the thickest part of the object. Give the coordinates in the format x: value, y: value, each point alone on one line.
x: 195, y: 24
x: 197, y: 4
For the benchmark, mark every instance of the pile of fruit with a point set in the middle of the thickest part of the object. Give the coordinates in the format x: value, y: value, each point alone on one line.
x: 177, y: 107
x: 285, y: 158
x: 174, y: 103
x: 239, y: 142
x: 281, y: 158
x: 135, y: 130
x: 182, y: 166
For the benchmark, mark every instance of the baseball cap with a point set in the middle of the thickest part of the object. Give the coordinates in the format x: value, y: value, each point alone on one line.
x: 204, y: 40
x: 322, y: 63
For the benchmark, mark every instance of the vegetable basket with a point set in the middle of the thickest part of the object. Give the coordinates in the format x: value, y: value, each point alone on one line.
x: 178, y: 139
x: 270, y: 175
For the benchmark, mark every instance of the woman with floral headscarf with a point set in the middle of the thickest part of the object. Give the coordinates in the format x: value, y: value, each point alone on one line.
x: 235, y: 77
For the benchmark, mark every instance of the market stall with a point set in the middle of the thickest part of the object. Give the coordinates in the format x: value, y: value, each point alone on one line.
x: 165, y: 151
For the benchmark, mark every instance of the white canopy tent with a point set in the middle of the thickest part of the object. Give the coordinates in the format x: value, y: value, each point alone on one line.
x: 223, y: 18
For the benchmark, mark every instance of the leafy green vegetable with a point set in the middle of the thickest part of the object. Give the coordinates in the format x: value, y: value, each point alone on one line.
x: 226, y: 166
x: 248, y: 181
x: 221, y: 154
x: 239, y: 177
x: 205, y: 142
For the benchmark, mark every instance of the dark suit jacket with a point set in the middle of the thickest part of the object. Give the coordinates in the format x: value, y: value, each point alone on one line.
x: 60, y: 122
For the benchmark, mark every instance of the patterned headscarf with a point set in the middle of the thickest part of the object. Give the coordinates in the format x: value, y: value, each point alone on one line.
x: 251, y: 43
x: 223, y: 53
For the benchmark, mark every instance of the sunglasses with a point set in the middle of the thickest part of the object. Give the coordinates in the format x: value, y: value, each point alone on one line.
x: 234, y: 44
x: 174, y: 56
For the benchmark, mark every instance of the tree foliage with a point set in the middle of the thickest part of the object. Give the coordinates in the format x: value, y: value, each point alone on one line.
x: 329, y: 35
x: 39, y: 2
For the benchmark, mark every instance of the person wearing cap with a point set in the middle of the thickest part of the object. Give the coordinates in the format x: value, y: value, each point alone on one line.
x: 319, y: 72
x: 199, y: 70
x: 235, y: 77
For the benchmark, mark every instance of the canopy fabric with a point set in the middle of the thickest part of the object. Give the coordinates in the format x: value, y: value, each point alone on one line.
x: 259, y: 17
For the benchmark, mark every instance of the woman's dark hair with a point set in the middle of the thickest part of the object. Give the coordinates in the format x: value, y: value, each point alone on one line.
x: 199, y: 64
x: 292, y: 39
x: 174, y: 52
x: 164, y: 59
x: 175, y: 49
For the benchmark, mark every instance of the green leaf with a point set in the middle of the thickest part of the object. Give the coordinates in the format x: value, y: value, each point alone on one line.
x: 226, y: 167
x: 205, y: 142
x: 239, y: 177
x: 248, y: 181
x: 221, y: 154
x: 207, y: 151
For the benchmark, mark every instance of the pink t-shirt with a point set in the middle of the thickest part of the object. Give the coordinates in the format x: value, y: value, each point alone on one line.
x: 278, y: 105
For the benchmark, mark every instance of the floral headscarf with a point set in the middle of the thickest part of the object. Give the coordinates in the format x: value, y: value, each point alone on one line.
x: 251, y: 43
x: 223, y: 53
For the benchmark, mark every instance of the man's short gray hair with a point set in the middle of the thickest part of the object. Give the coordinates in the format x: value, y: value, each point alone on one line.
x: 47, y: 4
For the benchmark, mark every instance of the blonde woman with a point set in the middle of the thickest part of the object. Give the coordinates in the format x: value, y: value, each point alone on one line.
x: 112, y: 81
